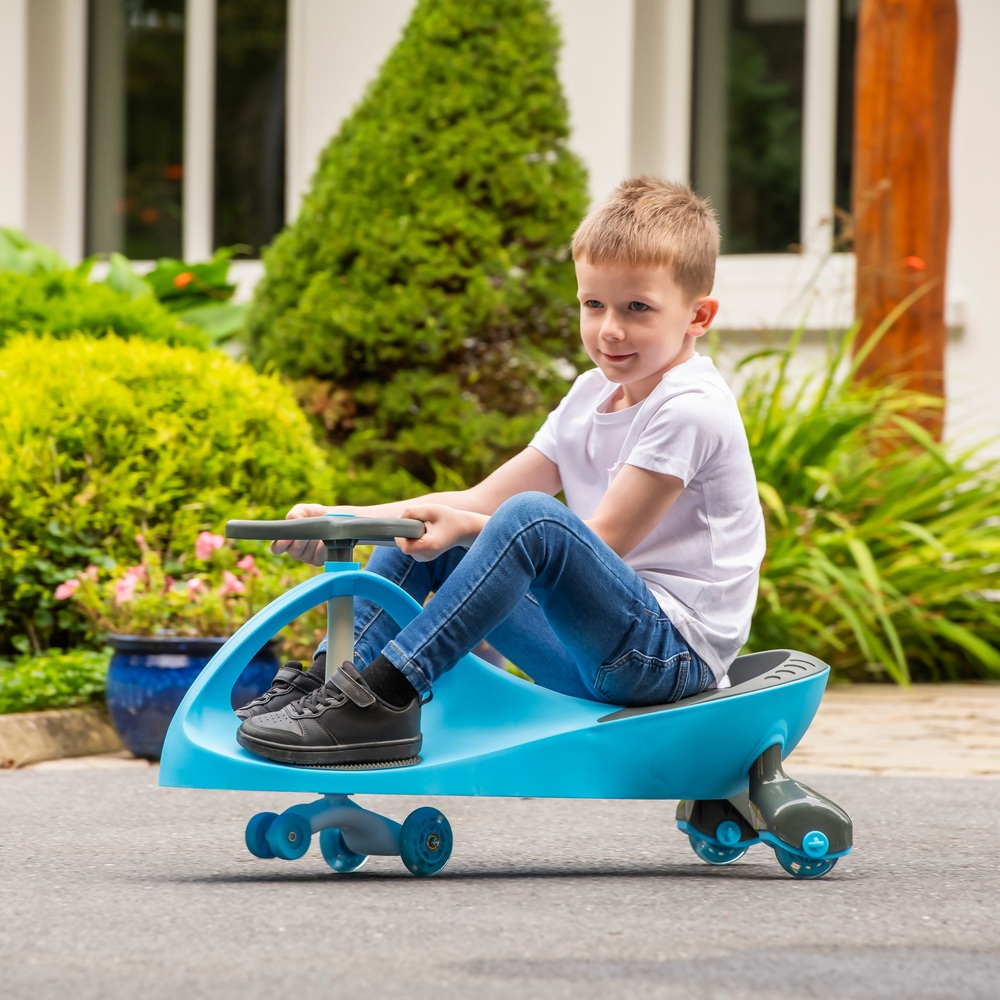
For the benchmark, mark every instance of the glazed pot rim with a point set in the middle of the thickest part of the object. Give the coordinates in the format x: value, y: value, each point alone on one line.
x: 172, y: 643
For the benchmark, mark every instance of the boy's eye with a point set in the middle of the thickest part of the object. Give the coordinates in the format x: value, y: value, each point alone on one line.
x: 592, y: 304
x: 638, y: 306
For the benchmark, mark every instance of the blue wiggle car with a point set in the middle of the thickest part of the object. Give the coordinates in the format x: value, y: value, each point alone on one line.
x: 488, y: 732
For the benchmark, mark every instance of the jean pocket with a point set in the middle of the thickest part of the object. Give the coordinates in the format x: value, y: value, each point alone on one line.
x: 637, y: 679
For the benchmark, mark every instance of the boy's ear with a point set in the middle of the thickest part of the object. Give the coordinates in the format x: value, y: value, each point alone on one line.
x: 705, y: 309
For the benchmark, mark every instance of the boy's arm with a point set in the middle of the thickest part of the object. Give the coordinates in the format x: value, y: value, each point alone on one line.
x: 528, y: 470
x: 635, y: 502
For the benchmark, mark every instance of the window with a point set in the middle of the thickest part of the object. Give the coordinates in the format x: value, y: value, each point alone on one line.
x: 772, y: 107
x: 186, y: 126
x: 135, y: 137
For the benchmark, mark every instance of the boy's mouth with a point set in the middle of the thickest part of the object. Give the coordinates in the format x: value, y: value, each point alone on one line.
x: 617, y: 357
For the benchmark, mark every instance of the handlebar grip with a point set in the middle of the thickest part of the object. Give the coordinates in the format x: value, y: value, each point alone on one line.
x: 330, y: 528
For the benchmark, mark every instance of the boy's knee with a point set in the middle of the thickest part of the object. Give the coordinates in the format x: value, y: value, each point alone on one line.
x: 525, y: 508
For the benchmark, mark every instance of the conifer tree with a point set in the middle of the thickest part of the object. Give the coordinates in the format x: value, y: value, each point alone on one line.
x: 424, y: 298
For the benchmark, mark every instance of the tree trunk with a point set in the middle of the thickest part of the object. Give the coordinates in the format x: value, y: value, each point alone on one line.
x: 905, y: 76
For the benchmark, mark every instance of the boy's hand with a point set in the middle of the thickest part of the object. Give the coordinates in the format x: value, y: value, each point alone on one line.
x: 445, y: 527
x: 311, y: 551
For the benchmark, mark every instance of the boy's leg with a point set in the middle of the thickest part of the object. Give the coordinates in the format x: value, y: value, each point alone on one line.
x: 373, y: 628
x: 621, y: 647
x: 618, y: 644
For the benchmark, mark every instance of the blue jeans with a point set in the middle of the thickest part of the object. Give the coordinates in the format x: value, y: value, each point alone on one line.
x: 546, y: 593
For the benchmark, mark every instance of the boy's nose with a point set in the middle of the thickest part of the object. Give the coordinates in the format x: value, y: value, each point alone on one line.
x: 611, y: 328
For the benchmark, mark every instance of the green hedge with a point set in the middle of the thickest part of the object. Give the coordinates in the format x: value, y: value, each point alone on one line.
x: 64, y: 302
x: 104, y: 439
x: 53, y: 680
x: 424, y: 297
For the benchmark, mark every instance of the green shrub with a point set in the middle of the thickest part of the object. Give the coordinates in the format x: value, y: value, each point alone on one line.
x: 425, y: 295
x: 883, y: 555
x: 101, y: 440
x: 64, y: 302
x: 54, y: 679
x: 18, y: 253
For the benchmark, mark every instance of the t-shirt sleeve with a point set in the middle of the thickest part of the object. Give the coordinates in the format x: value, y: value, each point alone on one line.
x: 682, y: 437
x: 547, y: 439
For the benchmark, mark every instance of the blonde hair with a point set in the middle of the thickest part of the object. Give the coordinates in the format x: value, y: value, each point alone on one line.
x: 647, y: 221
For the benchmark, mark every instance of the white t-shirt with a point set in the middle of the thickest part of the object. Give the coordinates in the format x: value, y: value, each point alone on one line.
x: 702, y: 561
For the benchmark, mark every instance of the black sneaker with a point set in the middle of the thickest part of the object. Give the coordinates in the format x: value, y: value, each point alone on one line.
x: 290, y: 684
x: 343, y: 722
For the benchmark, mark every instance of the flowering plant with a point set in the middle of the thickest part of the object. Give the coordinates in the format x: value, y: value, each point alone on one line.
x: 212, y: 596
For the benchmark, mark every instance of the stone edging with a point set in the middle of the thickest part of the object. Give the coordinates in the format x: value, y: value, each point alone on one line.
x: 31, y: 737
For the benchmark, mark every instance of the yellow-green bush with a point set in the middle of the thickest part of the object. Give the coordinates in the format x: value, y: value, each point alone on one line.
x: 103, y: 439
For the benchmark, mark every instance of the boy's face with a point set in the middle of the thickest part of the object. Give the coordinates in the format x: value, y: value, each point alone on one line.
x: 636, y: 324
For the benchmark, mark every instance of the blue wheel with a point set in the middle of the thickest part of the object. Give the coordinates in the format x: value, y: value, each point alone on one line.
x: 337, y: 854
x: 289, y: 836
x: 425, y: 842
x: 256, y: 835
x: 715, y: 854
x: 799, y: 867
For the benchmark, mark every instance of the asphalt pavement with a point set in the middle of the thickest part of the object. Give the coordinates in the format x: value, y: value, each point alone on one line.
x: 114, y: 888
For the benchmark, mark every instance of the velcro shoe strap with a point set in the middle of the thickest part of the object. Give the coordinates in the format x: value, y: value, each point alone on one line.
x: 353, y: 686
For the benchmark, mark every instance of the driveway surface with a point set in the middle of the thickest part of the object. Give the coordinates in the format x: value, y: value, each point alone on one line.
x: 115, y: 889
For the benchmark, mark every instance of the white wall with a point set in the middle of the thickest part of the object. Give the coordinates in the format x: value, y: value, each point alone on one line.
x: 334, y: 51
x: 973, y: 360
x: 13, y: 111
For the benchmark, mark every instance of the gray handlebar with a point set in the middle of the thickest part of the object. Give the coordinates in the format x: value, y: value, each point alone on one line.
x: 355, y: 530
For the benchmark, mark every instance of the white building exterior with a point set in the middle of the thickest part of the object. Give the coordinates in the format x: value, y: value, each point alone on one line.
x: 627, y: 72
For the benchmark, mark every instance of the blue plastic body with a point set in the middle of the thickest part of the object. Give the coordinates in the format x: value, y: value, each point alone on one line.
x: 487, y: 732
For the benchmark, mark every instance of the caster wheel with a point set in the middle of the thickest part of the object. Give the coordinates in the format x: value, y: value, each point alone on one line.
x: 425, y: 843
x: 337, y: 854
x: 289, y: 835
x: 715, y: 854
x: 256, y: 835
x: 800, y: 867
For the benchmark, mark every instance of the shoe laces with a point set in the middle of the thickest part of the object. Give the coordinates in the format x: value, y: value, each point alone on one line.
x: 313, y: 703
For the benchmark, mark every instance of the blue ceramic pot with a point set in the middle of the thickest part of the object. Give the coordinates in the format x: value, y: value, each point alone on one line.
x: 149, y: 676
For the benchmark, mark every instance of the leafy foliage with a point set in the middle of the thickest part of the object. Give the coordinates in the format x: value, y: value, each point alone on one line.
x: 61, y: 303
x: 883, y: 554
x: 198, y: 294
x: 424, y: 297
x: 53, y: 679
x: 103, y: 440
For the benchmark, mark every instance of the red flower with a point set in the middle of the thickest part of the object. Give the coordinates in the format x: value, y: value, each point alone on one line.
x: 183, y: 279
x: 917, y: 263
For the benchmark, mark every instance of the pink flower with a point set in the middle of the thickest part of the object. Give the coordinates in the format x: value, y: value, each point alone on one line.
x: 135, y: 572
x: 206, y: 544
x: 66, y: 590
x: 91, y: 572
x: 231, y: 584
x: 195, y: 587
x: 247, y: 564
x: 125, y: 589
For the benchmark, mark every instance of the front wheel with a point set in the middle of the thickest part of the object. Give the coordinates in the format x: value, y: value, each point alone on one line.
x: 289, y: 836
x: 256, y: 834
x: 337, y: 854
x: 425, y: 842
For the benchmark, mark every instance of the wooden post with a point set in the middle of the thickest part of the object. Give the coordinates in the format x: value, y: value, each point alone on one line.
x: 905, y: 76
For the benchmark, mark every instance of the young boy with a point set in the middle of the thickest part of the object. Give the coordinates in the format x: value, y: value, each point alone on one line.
x: 637, y: 591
